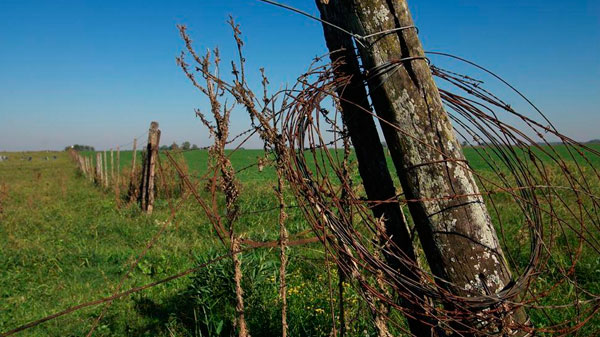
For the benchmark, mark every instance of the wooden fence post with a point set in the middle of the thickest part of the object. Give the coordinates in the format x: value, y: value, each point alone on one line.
x: 90, y: 174
x: 98, y: 173
x: 85, y: 167
x: 112, y: 166
x: 81, y: 164
x: 372, y: 165
x: 105, y: 171
x: 450, y: 215
x: 144, y: 178
x: 147, y: 185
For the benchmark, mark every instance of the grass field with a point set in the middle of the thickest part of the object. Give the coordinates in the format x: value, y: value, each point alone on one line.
x: 64, y: 241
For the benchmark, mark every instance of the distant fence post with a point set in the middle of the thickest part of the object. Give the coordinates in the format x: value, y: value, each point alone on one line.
x: 98, y: 175
x: 105, y: 171
x: 147, y: 184
x: 90, y: 173
x: 85, y: 166
x: 132, y: 178
x: 81, y: 164
x: 112, y: 166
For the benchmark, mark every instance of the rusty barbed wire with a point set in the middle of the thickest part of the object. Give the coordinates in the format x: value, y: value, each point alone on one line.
x: 315, y: 174
x: 556, y: 200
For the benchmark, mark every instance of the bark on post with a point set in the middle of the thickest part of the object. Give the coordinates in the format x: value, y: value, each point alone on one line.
x: 147, y: 185
x: 372, y: 164
x: 132, y: 178
x: 457, y: 233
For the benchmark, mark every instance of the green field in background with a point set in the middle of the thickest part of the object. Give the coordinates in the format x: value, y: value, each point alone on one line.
x: 64, y: 241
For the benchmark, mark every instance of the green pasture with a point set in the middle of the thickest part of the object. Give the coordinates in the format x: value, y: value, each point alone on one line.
x: 65, y: 241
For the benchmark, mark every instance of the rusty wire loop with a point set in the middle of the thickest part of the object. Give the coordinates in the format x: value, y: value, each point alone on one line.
x: 560, y: 200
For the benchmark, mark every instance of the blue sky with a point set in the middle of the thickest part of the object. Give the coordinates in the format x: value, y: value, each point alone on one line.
x: 97, y: 72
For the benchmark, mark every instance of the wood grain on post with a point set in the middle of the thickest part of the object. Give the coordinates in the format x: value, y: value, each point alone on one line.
x: 457, y: 233
x: 147, y: 185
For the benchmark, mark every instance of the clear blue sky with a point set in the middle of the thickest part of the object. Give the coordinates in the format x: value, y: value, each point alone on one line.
x: 97, y: 72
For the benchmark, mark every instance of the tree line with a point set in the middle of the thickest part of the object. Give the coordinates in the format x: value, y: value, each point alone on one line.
x: 79, y: 147
x: 184, y: 146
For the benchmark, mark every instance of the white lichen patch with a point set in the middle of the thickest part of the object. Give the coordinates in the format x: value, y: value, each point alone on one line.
x: 381, y: 14
x: 494, y: 282
x: 404, y: 103
x: 452, y: 225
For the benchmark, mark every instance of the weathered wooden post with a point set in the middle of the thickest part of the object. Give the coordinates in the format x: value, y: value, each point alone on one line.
x: 143, y: 178
x: 85, y: 166
x: 81, y: 164
x: 451, y: 218
x: 98, y: 173
x: 133, y: 176
x: 90, y: 173
x: 105, y: 171
x: 147, y: 184
x: 372, y: 165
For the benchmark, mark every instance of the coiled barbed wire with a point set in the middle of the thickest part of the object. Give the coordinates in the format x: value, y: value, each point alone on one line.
x: 554, y: 188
